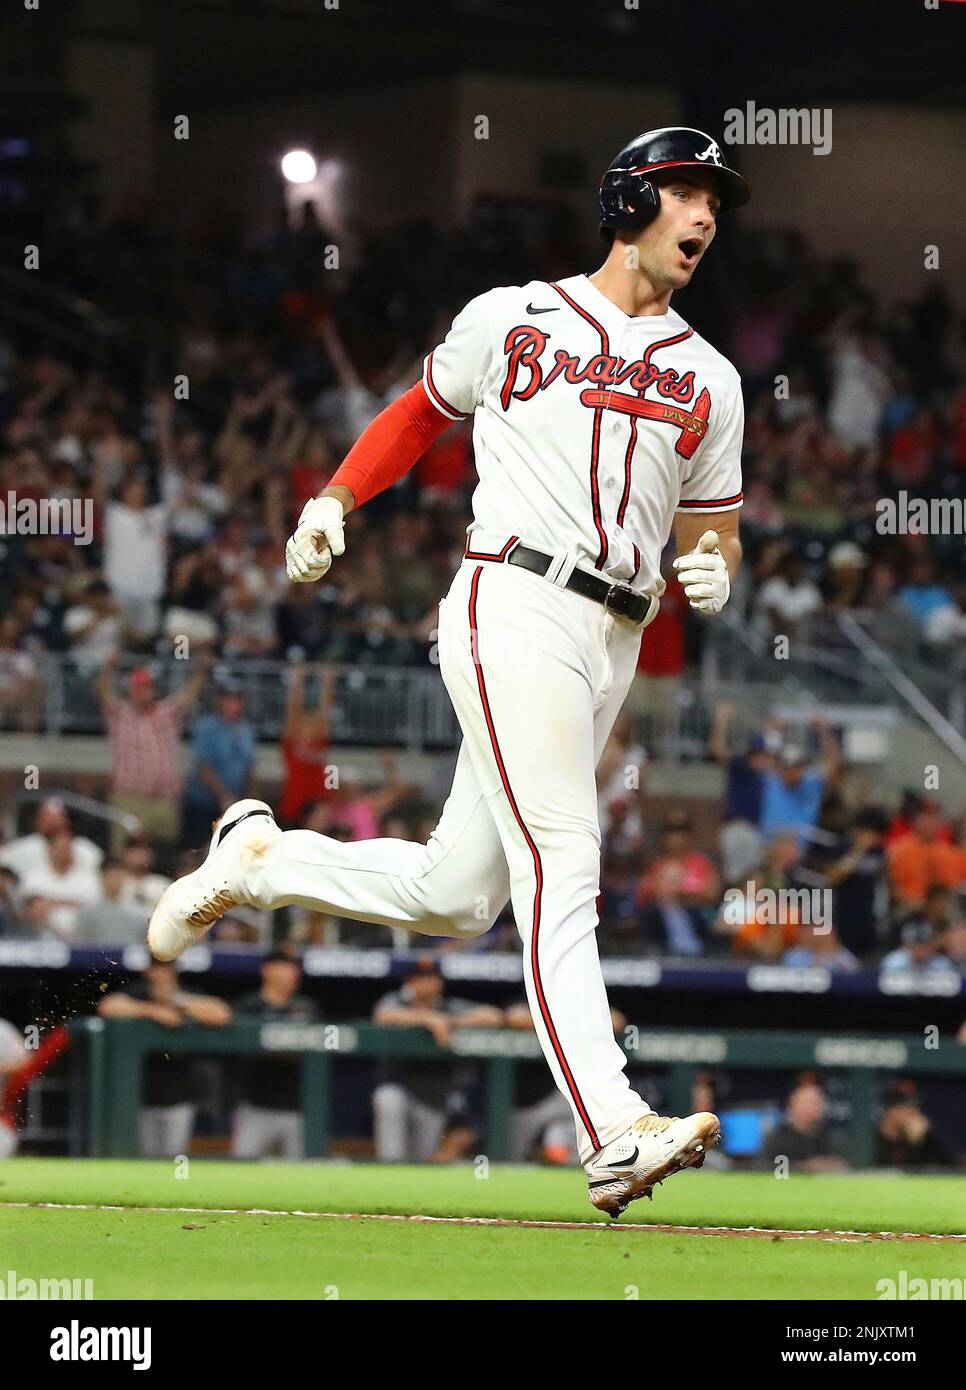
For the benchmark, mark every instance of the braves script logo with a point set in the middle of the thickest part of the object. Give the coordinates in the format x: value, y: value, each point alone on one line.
x: 526, y: 375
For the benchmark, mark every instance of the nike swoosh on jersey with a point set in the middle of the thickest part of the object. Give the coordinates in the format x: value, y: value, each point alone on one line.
x: 551, y: 309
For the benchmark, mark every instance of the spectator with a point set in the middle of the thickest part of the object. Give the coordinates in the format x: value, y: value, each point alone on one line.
x: 305, y: 744
x: 938, y: 908
x: 145, y: 734
x: 922, y: 859
x: 904, y: 820
x: 671, y: 921
x: 65, y: 885
x: 142, y: 887
x: 31, y: 852
x: 919, y: 954
x: 194, y: 505
x: 420, y: 1108
x: 21, y: 686
x: 905, y: 1137
x: 620, y: 783
x: 135, y: 553
x: 801, y: 1138
x: 692, y: 874
x: 542, y: 1125
x: 954, y: 943
x: 740, y: 839
x: 792, y: 794
x: 360, y: 809
x: 922, y: 594
x: 860, y: 388
x: 759, y: 927
x: 848, y: 568
x: 914, y: 446
x: 945, y: 627
x: 619, y: 930
x: 93, y: 627
x: 249, y: 620
x: 224, y: 763
x: 852, y: 864
x: 11, y: 920
x: 269, y: 1114
x: 111, y: 920
x: 819, y: 947
x: 787, y: 601
x: 172, y: 1083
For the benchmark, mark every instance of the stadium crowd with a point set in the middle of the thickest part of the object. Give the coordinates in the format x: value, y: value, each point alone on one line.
x: 230, y: 378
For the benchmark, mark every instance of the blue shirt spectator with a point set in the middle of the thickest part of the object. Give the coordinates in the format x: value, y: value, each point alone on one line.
x: 792, y: 794
x: 919, y: 952
x: 921, y: 593
x: 224, y: 756
x: 791, y: 799
x: 925, y: 599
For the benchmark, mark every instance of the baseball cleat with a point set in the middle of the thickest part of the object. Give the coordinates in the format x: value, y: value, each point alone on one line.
x: 191, y: 905
x: 650, y: 1150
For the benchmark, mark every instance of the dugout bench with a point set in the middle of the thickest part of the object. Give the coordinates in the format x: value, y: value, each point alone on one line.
x: 116, y: 1050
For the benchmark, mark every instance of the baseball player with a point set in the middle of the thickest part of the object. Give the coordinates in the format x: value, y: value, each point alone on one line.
x: 601, y: 422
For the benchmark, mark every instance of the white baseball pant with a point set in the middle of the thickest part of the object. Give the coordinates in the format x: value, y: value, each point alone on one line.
x: 537, y: 675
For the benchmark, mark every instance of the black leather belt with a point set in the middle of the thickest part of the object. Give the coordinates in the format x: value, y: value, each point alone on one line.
x: 616, y: 597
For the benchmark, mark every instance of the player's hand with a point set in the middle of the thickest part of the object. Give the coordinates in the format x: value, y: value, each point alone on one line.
x: 318, y: 537
x: 703, y: 574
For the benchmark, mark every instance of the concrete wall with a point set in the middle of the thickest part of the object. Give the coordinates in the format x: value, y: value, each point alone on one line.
x: 391, y: 150
x: 529, y: 120
x: 116, y: 79
x: 887, y: 189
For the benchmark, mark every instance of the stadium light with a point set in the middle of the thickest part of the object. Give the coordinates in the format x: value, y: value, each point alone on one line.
x: 298, y: 166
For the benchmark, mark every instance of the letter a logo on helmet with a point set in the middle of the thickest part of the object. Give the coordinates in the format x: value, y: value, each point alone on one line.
x: 712, y: 153
x: 629, y: 194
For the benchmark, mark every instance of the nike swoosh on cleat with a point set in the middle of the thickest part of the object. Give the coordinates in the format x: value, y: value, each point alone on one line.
x: 552, y: 309
x: 626, y: 1162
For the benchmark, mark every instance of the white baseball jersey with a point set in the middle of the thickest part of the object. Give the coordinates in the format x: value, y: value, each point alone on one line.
x: 591, y: 429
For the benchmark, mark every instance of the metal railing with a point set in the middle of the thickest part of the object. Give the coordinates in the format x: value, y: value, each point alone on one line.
x: 876, y: 658
x: 375, y: 706
x: 409, y: 708
x: 849, y: 658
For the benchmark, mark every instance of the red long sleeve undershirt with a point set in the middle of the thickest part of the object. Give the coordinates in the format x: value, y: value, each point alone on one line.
x: 389, y: 446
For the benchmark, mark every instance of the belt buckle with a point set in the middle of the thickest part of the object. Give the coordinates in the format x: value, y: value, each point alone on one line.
x: 626, y: 593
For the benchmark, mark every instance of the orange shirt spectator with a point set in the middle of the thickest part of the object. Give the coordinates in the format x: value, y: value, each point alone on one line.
x: 916, y: 865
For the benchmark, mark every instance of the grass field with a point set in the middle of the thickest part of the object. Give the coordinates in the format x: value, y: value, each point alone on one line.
x: 247, y: 1250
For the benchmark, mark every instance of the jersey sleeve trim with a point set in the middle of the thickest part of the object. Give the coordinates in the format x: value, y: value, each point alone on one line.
x: 436, y: 396
x: 720, y: 504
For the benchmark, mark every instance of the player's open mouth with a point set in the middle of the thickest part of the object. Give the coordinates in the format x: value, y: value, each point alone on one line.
x: 691, y: 249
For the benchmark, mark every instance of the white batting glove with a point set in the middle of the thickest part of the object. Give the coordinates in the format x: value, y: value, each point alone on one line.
x: 704, y: 575
x: 318, y: 537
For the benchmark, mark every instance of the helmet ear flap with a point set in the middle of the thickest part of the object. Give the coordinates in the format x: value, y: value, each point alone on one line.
x: 627, y: 200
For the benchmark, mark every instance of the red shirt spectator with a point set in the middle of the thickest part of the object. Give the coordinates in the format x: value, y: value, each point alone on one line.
x: 662, y: 651
x: 305, y: 745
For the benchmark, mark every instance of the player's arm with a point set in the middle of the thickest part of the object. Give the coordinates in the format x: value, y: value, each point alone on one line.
x: 395, y: 440
x: 708, y: 557
x: 385, y: 451
x: 688, y: 530
x: 706, y: 518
